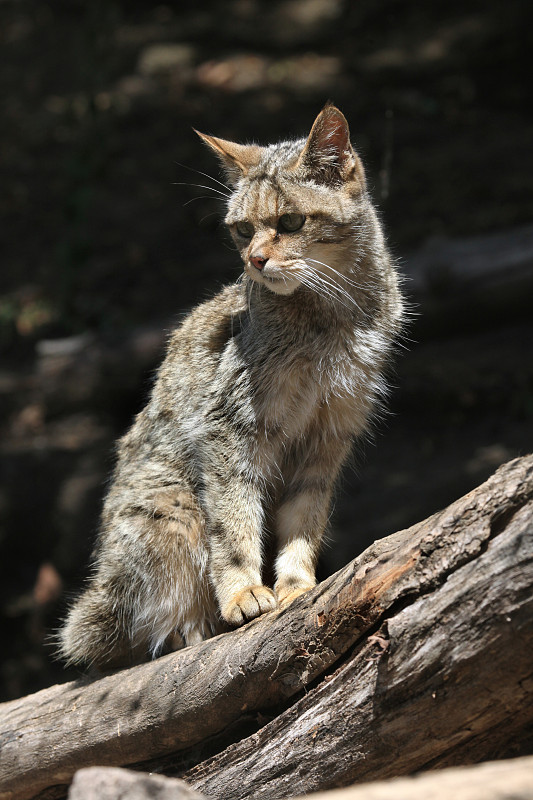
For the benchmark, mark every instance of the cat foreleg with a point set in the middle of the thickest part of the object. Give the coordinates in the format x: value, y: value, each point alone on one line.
x: 236, y: 553
x: 301, y: 519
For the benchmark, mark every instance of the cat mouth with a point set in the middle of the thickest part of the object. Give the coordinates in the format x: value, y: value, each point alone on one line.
x: 279, y: 283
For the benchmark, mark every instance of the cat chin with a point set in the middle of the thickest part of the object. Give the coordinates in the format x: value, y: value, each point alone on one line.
x: 279, y: 285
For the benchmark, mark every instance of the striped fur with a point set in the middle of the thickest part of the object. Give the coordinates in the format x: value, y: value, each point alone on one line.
x: 253, y: 413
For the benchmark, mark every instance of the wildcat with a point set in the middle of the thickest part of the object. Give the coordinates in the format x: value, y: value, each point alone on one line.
x: 253, y: 412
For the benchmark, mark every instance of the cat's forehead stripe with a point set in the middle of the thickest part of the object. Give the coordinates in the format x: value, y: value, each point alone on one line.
x: 272, y: 188
x: 276, y: 158
x: 261, y: 198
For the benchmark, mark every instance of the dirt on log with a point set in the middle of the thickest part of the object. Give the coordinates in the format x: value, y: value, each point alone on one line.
x: 417, y: 654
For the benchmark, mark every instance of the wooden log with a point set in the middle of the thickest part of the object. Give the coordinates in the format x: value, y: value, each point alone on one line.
x: 500, y: 780
x: 110, y: 783
x: 447, y: 679
x: 511, y: 779
x: 492, y: 259
x: 470, y: 277
x: 185, y: 698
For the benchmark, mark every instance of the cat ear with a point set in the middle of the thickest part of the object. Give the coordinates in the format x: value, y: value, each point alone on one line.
x: 237, y: 159
x: 328, y: 154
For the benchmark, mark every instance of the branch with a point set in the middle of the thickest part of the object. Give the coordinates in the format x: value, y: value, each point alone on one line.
x: 429, y: 629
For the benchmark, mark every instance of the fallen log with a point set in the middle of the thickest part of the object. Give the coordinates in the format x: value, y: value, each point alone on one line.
x: 491, y: 259
x: 110, y: 783
x: 500, y: 780
x: 418, y: 654
x: 469, y: 277
x: 447, y: 679
x: 511, y: 779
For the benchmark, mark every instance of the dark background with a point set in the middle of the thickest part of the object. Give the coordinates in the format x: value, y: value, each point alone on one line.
x: 102, y: 248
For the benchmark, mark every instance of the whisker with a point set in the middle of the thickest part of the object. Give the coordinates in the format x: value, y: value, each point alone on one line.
x: 313, y: 280
x: 344, y: 277
x: 201, y: 186
x: 250, y: 285
x: 337, y: 287
x: 314, y: 288
x: 231, y: 247
x: 330, y: 288
x: 205, y: 174
x: 203, y: 197
x: 321, y: 287
x: 335, y: 284
x: 211, y: 213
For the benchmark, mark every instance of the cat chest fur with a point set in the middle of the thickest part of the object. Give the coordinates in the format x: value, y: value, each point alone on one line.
x: 290, y: 390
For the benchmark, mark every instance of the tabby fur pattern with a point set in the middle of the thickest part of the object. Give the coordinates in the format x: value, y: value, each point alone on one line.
x: 253, y: 412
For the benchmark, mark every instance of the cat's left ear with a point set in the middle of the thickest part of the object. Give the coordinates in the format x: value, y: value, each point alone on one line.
x: 237, y: 159
x: 328, y: 154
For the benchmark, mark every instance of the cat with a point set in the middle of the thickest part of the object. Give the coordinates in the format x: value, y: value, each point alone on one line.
x: 253, y: 412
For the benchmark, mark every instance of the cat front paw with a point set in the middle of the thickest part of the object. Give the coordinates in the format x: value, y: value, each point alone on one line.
x: 248, y: 603
x: 287, y: 593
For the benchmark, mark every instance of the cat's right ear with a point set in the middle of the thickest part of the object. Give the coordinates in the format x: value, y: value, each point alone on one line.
x: 328, y: 154
x: 237, y: 159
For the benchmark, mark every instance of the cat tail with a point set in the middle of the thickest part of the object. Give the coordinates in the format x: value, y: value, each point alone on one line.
x: 93, y: 634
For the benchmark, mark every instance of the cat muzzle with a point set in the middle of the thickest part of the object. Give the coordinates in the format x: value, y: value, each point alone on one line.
x: 258, y: 262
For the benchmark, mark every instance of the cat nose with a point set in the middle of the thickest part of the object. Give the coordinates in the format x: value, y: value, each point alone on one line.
x: 258, y: 262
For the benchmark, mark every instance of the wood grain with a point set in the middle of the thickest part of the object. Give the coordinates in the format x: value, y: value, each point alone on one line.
x: 511, y: 779
x: 357, y: 640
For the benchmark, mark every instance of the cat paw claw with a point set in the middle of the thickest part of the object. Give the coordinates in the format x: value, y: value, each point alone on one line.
x: 249, y: 603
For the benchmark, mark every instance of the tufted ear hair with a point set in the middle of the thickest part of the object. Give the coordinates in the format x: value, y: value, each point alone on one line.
x: 328, y: 154
x: 237, y: 159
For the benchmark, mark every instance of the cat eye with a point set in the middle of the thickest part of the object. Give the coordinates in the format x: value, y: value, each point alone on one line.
x: 291, y: 222
x: 245, y: 229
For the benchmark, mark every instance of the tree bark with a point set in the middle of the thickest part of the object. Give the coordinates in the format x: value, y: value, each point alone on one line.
x: 499, y: 780
x: 417, y: 654
x: 446, y: 680
x: 110, y: 783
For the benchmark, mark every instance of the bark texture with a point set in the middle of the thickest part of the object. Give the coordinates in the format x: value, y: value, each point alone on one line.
x: 498, y: 780
x: 501, y: 780
x: 110, y: 783
x: 417, y: 654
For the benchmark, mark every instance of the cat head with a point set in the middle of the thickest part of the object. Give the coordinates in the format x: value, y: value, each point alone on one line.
x: 294, y: 206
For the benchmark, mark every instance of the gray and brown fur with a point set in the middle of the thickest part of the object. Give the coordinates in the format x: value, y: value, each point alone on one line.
x: 253, y: 412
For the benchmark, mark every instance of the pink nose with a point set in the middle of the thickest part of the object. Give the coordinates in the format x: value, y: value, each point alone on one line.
x: 258, y: 262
